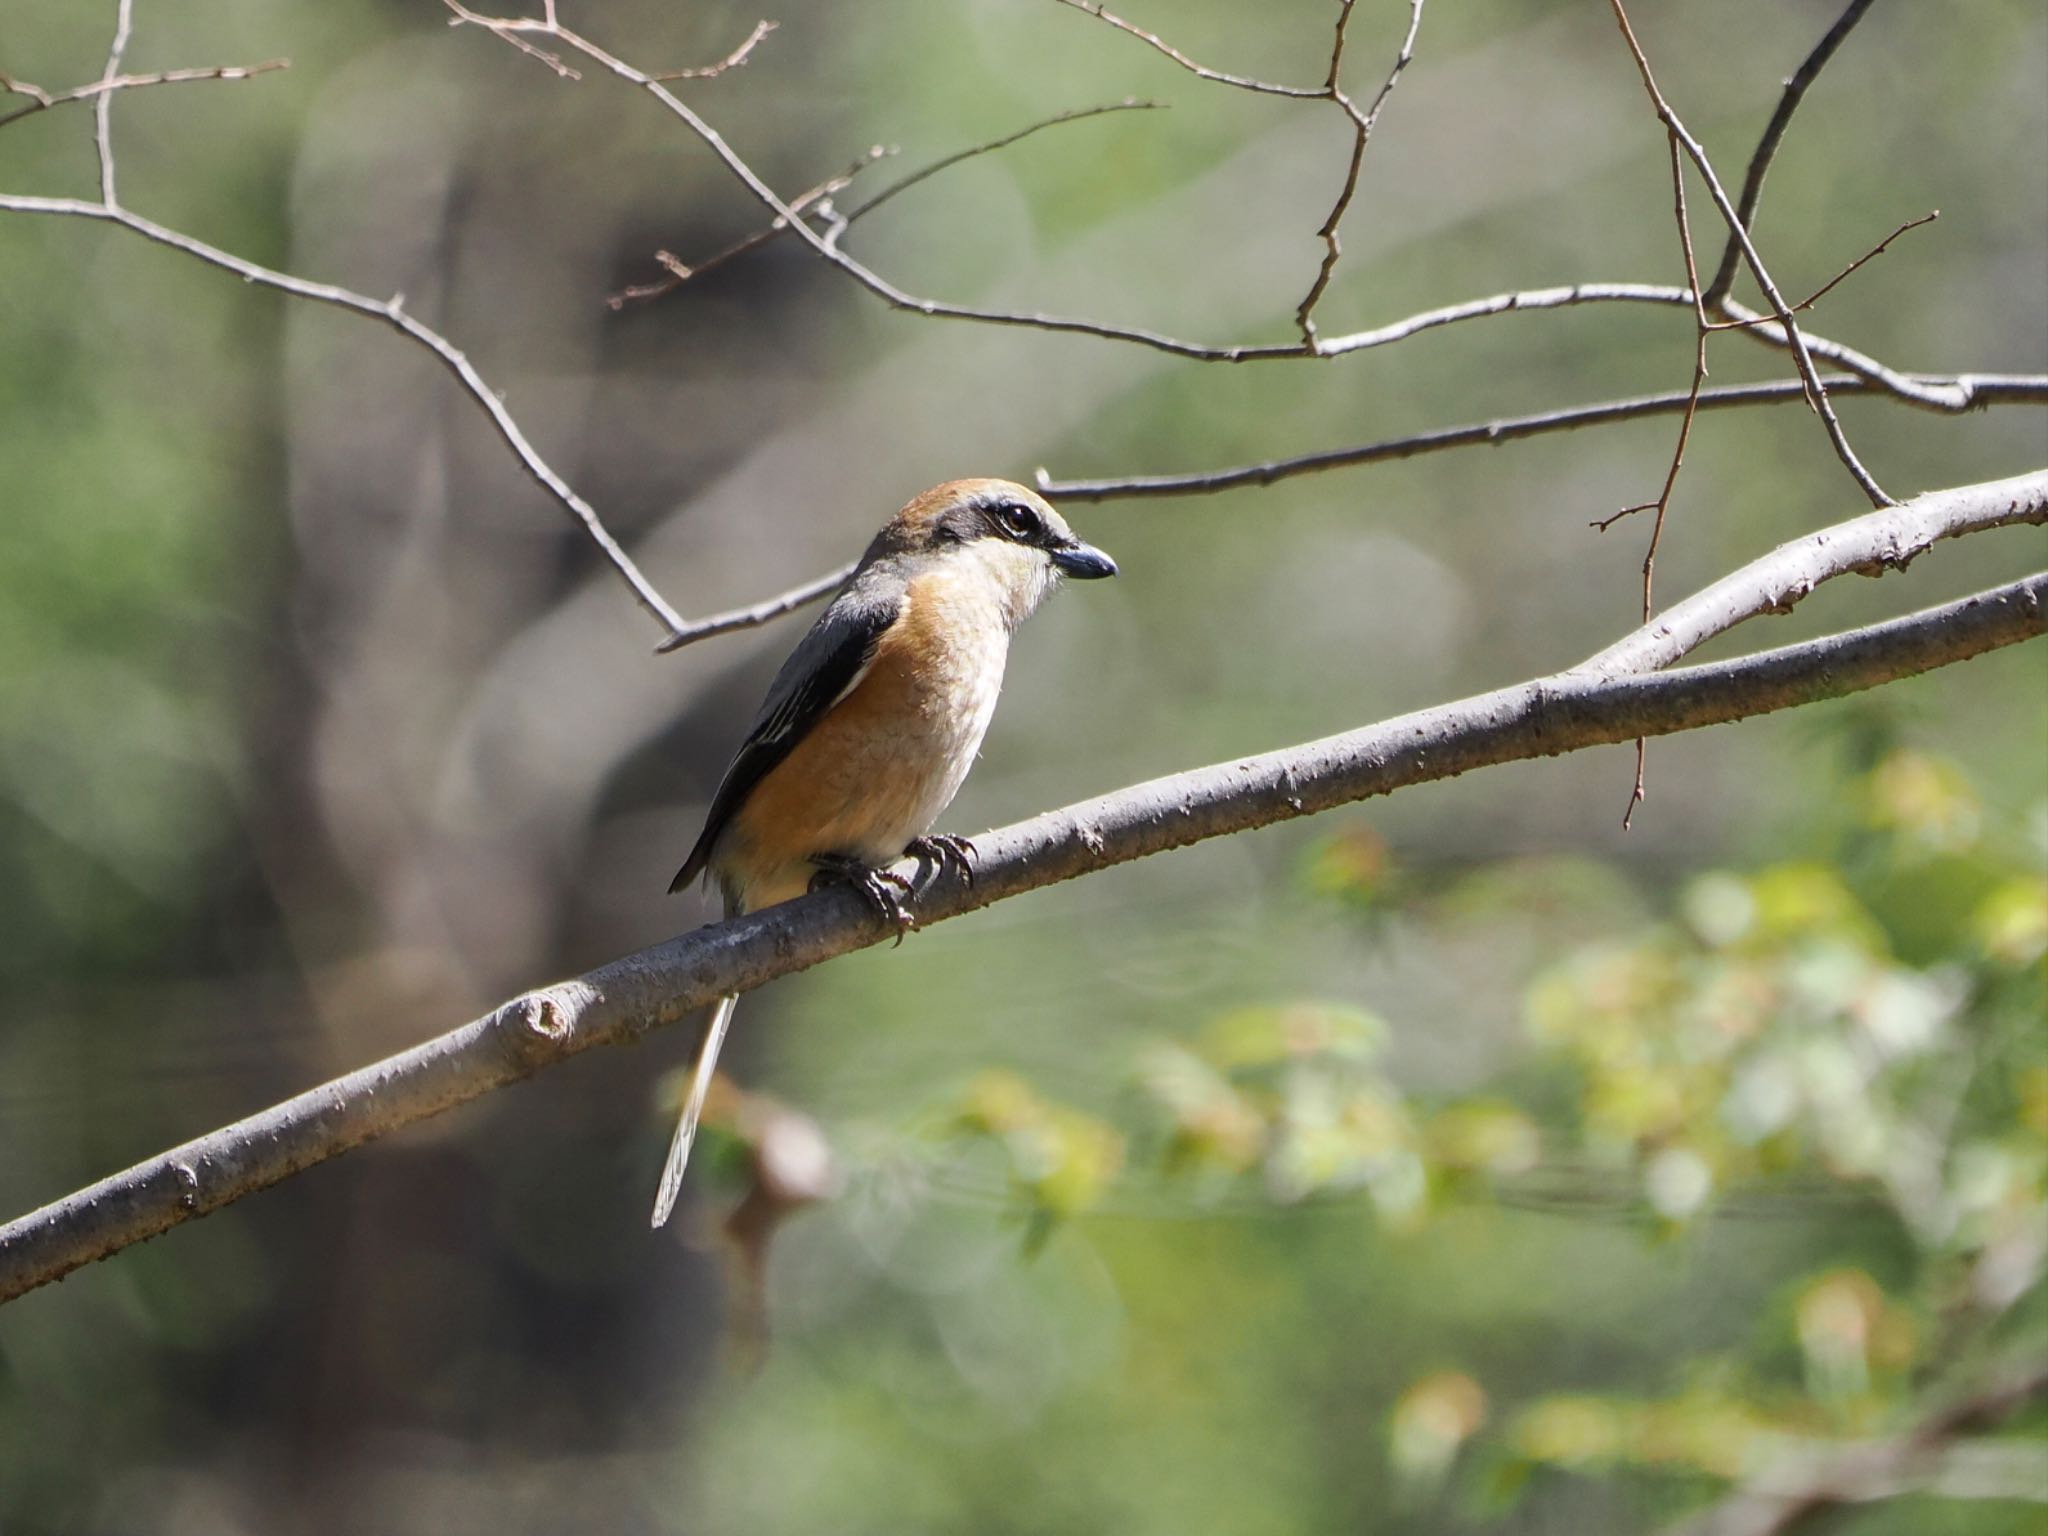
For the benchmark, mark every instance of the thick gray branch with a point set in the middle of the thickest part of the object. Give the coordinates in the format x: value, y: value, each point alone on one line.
x: 621, y: 1001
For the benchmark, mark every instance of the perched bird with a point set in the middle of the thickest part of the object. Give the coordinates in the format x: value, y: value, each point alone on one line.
x: 872, y: 723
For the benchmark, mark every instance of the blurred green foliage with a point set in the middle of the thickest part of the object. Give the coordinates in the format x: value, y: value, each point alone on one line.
x: 1767, y: 1047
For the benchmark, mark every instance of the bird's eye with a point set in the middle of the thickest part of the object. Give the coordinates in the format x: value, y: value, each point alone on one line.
x: 1018, y: 521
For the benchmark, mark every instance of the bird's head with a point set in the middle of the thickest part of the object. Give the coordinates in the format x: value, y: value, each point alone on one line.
x: 1008, y: 535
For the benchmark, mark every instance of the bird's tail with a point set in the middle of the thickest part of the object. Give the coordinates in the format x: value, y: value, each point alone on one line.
x: 693, y: 1108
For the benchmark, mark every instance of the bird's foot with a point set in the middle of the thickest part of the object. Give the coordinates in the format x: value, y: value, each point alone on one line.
x: 943, y: 851
x: 881, y: 889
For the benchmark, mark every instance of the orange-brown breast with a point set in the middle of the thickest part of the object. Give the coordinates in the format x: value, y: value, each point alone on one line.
x: 884, y: 762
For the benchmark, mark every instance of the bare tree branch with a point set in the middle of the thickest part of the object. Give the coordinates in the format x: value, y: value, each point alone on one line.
x: 1662, y: 505
x: 990, y: 146
x: 1332, y: 90
x: 1834, y: 282
x: 756, y: 614
x: 1936, y: 395
x: 1888, y: 539
x: 1767, y: 146
x: 1362, y: 121
x: 514, y: 29
x: 41, y: 100
x: 1817, y: 393
x: 1981, y: 389
x: 1160, y: 45
x: 103, y: 104
x: 660, y: 986
x: 392, y: 312
x: 818, y: 199
x: 733, y: 60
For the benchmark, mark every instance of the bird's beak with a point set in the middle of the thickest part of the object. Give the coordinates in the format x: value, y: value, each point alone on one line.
x: 1084, y: 562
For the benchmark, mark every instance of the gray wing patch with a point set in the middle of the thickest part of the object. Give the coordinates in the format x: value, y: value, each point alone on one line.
x: 826, y: 666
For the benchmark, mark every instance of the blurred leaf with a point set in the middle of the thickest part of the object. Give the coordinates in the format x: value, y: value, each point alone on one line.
x: 2012, y: 922
x: 1258, y: 1037
x: 1353, y: 864
x: 1927, y: 801
x: 1060, y: 1158
x: 1436, y: 1415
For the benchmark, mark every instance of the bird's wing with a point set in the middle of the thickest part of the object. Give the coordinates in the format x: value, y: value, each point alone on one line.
x: 822, y: 670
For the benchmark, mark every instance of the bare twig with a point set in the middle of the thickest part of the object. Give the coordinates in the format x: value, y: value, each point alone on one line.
x: 103, y: 103
x: 1767, y: 146
x: 733, y: 60
x: 1160, y: 45
x: 1935, y: 395
x: 756, y: 614
x: 1888, y: 539
x: 816, y: 199
x: 392, y: 312
x: 1692, y: 407
x: 990, y: 146
x: 881, y: 287
x: 1661, y: 506
x: 1362, y: 122
x: 660, y: 986
x: 1817, y: 394
x: 1946, y: 398
x: 41, y: 100
x: 1981, y: 389
x: 681, y: 272
x: 1829, y: 286
x: 1332, y: 90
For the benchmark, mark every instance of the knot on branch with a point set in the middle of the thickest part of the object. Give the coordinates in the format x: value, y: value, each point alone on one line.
x: 537, y: 1025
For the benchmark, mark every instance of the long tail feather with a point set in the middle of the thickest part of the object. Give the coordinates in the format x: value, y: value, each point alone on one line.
x: 693, y: 1108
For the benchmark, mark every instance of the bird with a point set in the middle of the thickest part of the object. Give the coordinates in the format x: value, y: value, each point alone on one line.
x: 871, y: 725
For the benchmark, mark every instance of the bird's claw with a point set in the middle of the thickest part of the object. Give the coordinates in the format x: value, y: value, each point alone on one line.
x: 882, y: 889
x: 945, y: 851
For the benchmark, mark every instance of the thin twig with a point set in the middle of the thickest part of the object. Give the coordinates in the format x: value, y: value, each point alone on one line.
x: 1692, y: 407
x: 681, y: 272
x: 1817, y: 394
x: 1888, y: 539
x: 1981, y: 389
x: 815, y: 200
x: 392, y: 312
x: 41, y: 100
x: 756, y: 614
x: 1767, y: 146
x: 989, y: 146
x: 1361, y: 125
x: 1829, y: 286
x: 619, y: 1002
x: 1160, y: 45
x: 1939, y: 395
x: 733, y: 60
x: 1930, y: 394
x: 103, y: 103
x: 881, y: 287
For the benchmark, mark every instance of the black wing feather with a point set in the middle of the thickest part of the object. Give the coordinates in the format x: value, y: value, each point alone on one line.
x: 822, y: 667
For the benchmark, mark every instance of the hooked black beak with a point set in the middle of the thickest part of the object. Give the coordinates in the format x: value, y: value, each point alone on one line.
x: 1084, y: 562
